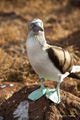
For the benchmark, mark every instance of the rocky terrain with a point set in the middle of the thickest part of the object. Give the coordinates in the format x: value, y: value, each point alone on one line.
x: 17, y: 78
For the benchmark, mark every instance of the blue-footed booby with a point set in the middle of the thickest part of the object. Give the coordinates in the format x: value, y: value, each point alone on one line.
x: 48, y: 61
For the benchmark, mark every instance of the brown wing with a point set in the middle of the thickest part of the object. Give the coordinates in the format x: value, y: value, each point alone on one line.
x: 60, y: 58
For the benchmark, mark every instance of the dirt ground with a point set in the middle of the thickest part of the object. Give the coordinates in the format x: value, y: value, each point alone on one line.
x: 62, y: 28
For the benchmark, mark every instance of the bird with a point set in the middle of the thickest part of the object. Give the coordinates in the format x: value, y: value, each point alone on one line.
x: 48, y: 61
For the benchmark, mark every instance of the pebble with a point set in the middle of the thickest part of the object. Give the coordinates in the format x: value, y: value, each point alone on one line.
x: 2, y: 86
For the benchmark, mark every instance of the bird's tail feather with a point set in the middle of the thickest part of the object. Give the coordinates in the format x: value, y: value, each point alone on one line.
x: 75, y: 69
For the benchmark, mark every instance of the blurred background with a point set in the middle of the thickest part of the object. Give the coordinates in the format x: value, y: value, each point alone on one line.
x: 62, y: 27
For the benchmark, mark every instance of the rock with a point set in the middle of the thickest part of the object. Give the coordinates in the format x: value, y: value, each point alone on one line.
x: 7, y: 89
x: 75, y: 2
x: 42, y: 109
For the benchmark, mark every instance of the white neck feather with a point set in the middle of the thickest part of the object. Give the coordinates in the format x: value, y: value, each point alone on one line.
x: 39, y: 36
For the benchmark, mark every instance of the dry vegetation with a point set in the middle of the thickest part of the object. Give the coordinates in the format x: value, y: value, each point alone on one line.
x: 60, y: 19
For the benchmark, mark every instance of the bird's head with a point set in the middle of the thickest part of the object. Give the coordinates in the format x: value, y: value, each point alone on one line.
x: 35, y: 25
x: 36, y: 30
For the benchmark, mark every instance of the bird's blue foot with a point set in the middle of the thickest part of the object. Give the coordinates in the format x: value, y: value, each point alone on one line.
x: 53, y: 94
x: 35, y: 95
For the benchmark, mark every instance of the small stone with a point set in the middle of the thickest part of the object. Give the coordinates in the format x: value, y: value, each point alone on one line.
x: 2, y: 86
x: 11, y: 85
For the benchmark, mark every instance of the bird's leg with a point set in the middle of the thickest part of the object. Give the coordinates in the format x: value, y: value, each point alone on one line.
x: 53, y: 94
x: 42, y: 85
x: 58, y: 94
x: 38, y: 93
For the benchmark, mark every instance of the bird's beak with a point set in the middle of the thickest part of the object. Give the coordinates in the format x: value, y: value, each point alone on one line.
x: 37, y: 26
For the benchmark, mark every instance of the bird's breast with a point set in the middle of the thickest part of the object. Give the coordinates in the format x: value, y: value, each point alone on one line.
x: 40, y: 61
